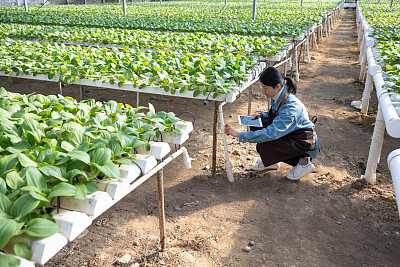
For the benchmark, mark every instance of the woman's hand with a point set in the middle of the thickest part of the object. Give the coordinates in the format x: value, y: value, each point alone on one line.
x: 229, y: 130
x: 257, y: 115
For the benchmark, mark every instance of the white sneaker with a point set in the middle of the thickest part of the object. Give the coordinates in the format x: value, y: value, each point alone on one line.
x: 259, y: 166
x: 299, y: 171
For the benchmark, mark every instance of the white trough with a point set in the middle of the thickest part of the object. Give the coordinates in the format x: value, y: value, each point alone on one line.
x: 93, y: 205
x: 42, y: 249
x: 71, y: 223
x: 394, y: 167
x: 157, y: 149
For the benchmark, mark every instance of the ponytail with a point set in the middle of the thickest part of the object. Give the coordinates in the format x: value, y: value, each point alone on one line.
x: 291, y: 85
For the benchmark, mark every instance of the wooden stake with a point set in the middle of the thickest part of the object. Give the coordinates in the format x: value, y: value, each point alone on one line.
x: 214, y: 151
x: 161, y: 209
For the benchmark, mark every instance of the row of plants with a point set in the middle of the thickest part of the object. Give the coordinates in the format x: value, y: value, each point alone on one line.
x: 199, y: 42
x: 278, y: 20
x: 313, y: 10
x: 389, y: 55
x: 386, y: 29
x: 54, y: 146
x: 172, y: 71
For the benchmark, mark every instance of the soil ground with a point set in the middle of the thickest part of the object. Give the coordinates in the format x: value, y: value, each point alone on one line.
x: 329, y: 218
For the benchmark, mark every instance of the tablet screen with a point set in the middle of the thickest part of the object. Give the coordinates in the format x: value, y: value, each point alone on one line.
x: 248, y: 121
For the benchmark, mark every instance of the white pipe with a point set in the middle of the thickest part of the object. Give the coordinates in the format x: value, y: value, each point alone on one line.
x: 186, y: 158
x: 369, y: 86
x: 390, y: 115
x: 365, y: 54
x: 394, y: 167
x: 375, y: 148
x: 228, y: 164
x: 373, y: 68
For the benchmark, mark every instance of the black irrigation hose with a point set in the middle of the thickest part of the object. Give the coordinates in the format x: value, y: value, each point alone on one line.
x: 183, y: 112
x: 141, y: 171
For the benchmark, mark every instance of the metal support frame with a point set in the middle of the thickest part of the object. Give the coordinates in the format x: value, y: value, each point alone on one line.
x: 254, y: 10
x: 60, y: 87
x: 81, y: 93
x: 124, y: 6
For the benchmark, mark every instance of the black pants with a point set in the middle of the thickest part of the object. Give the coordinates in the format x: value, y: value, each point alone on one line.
x: 289, y: 148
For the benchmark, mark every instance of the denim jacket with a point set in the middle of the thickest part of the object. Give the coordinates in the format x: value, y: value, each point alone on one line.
x: 291, y: 116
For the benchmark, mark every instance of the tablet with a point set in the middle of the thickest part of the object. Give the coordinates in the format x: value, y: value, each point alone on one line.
x: 248, y: 121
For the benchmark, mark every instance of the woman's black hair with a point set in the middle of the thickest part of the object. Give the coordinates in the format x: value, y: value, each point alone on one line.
x: 272, y: 77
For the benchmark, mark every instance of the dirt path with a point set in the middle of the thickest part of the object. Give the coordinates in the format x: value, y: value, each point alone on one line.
x: 330, y: 217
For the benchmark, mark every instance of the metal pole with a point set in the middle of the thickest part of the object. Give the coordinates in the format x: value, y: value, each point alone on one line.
x: 137, y: 99
x: 60, y: 88
x: 249, y: 104
x: 161, y: 209
x: 225, y: 2
x: 301, y: 2
x: 81, y: 92
x: 391, y: 3
x: 26, y: 5
x: 254, y: 10
x: 214, y: 149
x: 124, y: 6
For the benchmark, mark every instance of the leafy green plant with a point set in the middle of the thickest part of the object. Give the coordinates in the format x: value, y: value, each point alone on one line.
x: 278, y: 18
x: 54, y: 146
x: 199, y: 42
x: 172, y: 71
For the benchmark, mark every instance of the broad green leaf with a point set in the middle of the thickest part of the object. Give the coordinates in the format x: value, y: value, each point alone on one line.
x: 75, y: 172
x: 54, y: 172
x: 25, y: 161
x: 35, y: 178
x: 8, y: 260
x: 91, y: 187
x: 13, y: 180
x: 62, y: 189
x: 8, y: 162
x: 80, y: 155
x: 41, y: 228
x: 23, y: 250
x: 81, y: 191
x: 109, y: 169
x: 38, y: 196
x: 8, y: 229
x: 5, y: 203
x: 124, y: 161
x: 67, y: 146
x: 23, y: 205
x: 101, y: 156
x: 3, y: 186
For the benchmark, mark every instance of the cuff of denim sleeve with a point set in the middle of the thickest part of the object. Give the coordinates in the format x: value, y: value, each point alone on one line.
x: 264, y: 114
x: 242, y: 137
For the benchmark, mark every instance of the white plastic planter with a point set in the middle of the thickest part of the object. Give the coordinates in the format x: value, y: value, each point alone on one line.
x: 157, y: 149
x: 94, y: 204
x: 71, y: 223
x: 42, y: 249
x: 186, y: 126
